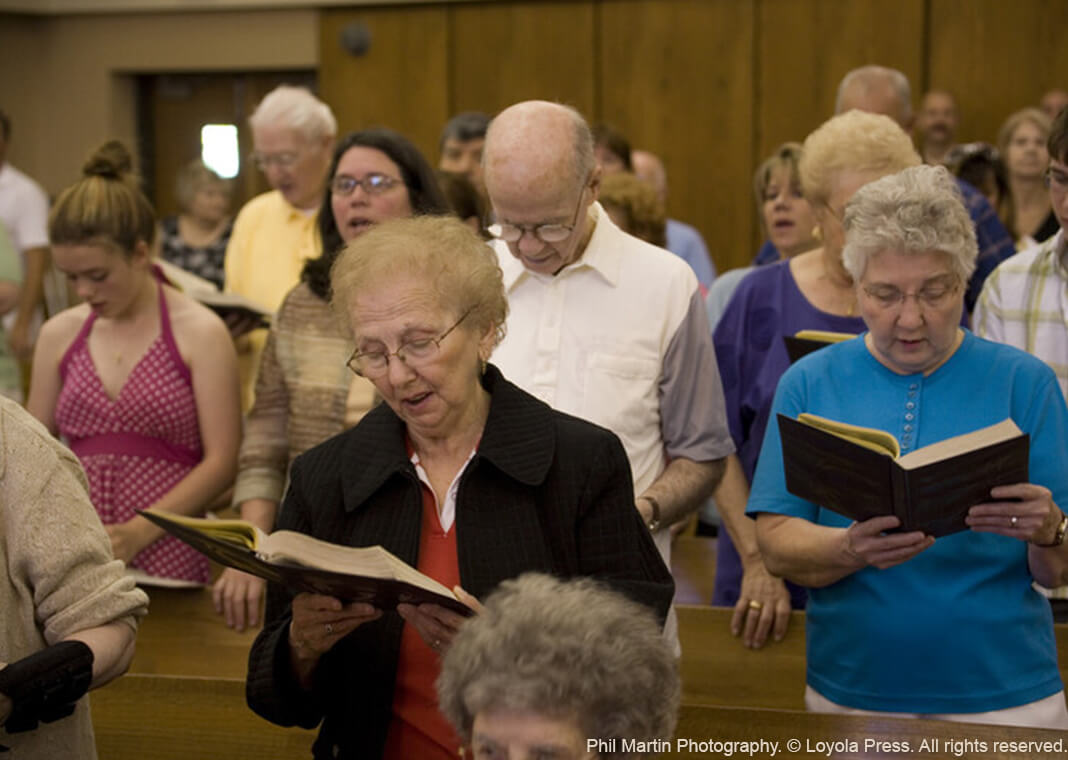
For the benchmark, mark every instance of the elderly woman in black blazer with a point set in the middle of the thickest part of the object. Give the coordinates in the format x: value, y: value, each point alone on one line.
x: 459, y: 473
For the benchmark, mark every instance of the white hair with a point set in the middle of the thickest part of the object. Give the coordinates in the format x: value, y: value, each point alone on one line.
x: 917, y: 210
x: 297, y: 109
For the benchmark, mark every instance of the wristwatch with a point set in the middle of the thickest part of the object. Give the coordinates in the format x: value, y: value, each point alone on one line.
x: 1058, y: 537
x: 654, y: 521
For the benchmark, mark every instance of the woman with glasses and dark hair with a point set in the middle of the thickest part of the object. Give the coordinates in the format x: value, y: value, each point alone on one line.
x: 459, y: 473
x: 304, y: 393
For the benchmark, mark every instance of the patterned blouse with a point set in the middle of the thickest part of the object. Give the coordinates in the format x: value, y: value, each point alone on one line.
x: 206, y: 261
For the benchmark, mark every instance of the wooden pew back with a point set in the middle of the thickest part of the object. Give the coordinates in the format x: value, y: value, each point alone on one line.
x: 185, y: 718
x: 717, y: 670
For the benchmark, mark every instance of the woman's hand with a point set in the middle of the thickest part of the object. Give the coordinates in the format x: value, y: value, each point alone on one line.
x: 437, y: 625
x: 321, y: 621
x: 763, y: 607
x: 130, y: 537
x: 868, y: 543
x: 1029, y: 514
x: 238, y: 597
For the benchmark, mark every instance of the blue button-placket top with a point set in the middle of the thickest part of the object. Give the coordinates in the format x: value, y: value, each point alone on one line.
x: 910, y: 418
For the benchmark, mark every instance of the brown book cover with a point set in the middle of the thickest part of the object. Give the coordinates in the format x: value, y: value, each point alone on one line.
x: 804, y: 342
x: 930, y: 489
x: 303, y: 563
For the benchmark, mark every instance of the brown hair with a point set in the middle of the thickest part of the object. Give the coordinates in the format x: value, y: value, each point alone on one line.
x: 787, y: 155
x: 1057, y: 146
x: 106, y: 205
x: 640, y: 205
x: 1034, y: 115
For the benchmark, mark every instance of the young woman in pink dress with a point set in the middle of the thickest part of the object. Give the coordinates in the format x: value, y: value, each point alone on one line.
x: 140, y: 380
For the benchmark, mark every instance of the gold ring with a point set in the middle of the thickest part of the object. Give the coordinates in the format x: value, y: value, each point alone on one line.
x: 755, y: 605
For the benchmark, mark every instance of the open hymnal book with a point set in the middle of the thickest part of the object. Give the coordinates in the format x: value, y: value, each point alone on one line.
x: 205, y: 292
x: 804, y: 342
x: 859, y: 472
x: 303, y: 563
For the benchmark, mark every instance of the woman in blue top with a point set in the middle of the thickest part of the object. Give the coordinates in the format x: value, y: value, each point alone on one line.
x: 900, y: 622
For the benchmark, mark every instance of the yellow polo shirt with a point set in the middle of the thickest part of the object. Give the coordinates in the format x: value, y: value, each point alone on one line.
x: 269, y: 245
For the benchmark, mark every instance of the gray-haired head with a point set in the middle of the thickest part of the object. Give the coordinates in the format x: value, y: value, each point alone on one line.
x: 297, y: 109
x: 876, y: 89
x: 563, y: 649
x: 917, y: 210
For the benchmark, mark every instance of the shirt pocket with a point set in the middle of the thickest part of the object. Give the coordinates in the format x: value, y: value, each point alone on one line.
x: 621, y: 394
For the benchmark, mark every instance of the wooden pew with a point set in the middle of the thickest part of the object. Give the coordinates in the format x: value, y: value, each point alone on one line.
x: 143, y: 716
x: 852, y: 736
x: 182, y: 635
x: 717, y: 670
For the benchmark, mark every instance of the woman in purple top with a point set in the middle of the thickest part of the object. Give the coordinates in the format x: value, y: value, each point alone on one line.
x: 810, y: 291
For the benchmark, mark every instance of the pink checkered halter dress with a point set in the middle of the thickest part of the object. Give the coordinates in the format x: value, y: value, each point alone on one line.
x: 136, y: 447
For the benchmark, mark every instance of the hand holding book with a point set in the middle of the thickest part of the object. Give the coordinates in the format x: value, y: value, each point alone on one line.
x: 858, y: 472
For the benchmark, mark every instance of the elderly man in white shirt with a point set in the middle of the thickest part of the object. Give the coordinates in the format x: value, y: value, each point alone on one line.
x: 603, y: 325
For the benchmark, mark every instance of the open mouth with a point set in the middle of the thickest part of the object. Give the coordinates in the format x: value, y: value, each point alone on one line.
x: 417, y: 401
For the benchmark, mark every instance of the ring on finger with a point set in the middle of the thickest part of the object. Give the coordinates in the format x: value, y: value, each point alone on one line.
x: 329, y: 629
x: 755, y: 605
x: 1012, y: 521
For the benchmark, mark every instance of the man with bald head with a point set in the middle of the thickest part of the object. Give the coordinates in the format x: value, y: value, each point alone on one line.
x: 683, y: 240
x: 879, y: 89
x: 602, y: 325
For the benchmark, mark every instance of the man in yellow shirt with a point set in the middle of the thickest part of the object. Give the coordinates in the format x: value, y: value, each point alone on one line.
x: 293, y: 136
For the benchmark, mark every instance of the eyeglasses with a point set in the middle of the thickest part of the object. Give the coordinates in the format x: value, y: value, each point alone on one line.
x: 546, y: 233
x: 1056, y: 179
x: 372, y: 184
x: 284, y: 160
x: 932, y: 295
x: 414, y: 353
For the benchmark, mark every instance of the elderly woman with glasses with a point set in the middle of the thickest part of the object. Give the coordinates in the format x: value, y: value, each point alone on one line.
x: 458, y: 472
x: 900, y: 622
x: 304, y: 393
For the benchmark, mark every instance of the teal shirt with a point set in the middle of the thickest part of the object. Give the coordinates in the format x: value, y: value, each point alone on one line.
x: 958, y: 628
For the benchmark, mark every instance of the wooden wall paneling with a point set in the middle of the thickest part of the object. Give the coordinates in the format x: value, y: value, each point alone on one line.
x: 807, y: 47
x: 677, y: 78
x: 997, y: 57
x: 182, y: 103
x: 400, y: 82
x: 180, y: 106
x: 505, y: 52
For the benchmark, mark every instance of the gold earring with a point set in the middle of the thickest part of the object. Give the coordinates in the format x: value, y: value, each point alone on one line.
x: 817, y: 234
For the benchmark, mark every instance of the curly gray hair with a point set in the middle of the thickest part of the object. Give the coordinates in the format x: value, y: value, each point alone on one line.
x: 570, y: 649
x: 916, y: 210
